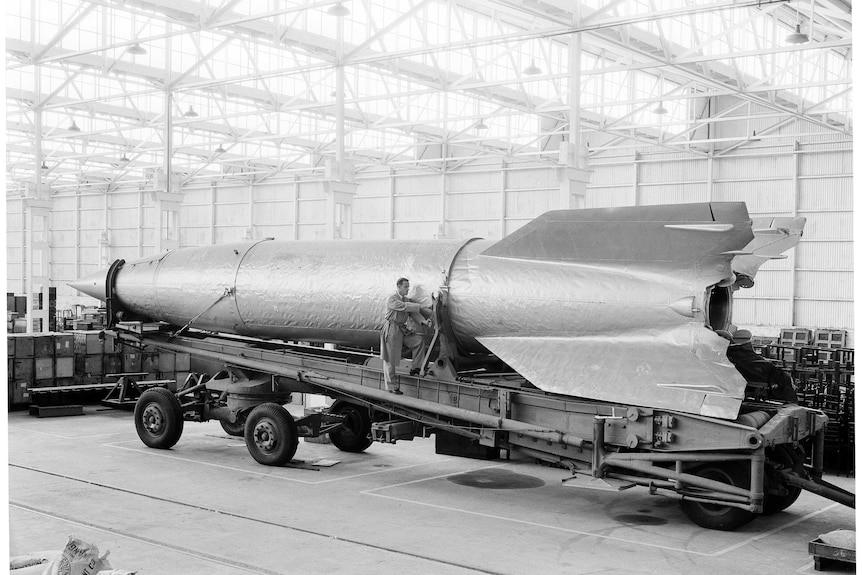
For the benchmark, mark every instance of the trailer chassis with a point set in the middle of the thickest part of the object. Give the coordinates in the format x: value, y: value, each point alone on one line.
x: 724, y: 473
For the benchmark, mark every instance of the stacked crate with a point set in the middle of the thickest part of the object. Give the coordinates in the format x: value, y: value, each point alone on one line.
x: 38, y: 360
x: 90, y: 359
x: 64, y: 359
x: 21, y: 368
x: 16, y: 311
x: 795, y: 336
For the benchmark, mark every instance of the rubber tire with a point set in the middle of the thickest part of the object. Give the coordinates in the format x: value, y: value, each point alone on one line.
x: 355, y: 435
x: 720, y: 517
x: 271, y: 435
x: 159, y: 418
x: 235, y: 429
x: 786, y: 457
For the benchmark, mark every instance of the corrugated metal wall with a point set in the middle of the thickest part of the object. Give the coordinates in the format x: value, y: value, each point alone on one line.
x: 812, y: 288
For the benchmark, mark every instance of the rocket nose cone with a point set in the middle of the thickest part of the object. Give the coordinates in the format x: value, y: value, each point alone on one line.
x: 93, y: 285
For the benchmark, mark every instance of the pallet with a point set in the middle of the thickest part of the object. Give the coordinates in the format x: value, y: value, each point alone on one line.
x: 56, y: 410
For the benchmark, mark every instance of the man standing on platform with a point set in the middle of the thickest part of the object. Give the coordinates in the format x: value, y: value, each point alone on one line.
x: 396, y: 335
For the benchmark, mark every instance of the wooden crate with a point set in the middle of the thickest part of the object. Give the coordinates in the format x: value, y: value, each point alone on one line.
x: 23, y: 345
x: 113, y: 363
x: 795, y: 336
x: 19, y: 393
x: 24, y: 369
x: 64, y: 345
x: 167, y: 362
x: 64, y: 367
x: 131, y: 362
x: 44, y: 368
x: 43, y: 346
x: 93, y: 364
x: 150, y: 362
x: 183, y: 362
x: 88, y: 342
x: 831, y: 338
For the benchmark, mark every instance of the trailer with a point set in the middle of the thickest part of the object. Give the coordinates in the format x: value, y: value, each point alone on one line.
x: 724, y: 473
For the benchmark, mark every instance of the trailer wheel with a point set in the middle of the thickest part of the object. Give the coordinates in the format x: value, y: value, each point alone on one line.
x: 717, y: 516
x: 780, y: 458
x: 159, y: 418
x: 236, y: 429
x: 271, y: 435
x: 355, y: 434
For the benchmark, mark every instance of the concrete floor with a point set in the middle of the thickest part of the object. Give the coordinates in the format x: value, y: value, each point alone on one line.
x: 206, y: 507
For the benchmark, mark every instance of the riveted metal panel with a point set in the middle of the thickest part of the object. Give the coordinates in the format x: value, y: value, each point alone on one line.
x: 466, y: 181
x: 92, y: 202
x: 824, y: 285
x: 273, y: 192
x: 825, y: 314
x: 272, y: 213
x: 770, y: 283
x: 673, y: 171
x: 767, y: 197
x: 742, y: 167
x: 829, y: 226
x: 192, y: 197
x: 189, y: 237
x: 474, y: 228
x: 834, y: 255
x: 231, y: 214
x: 195, y: 216
x: 826, y: 163
x: 761, y: 312
x: 650, y: 195
x: 826, y: 193
x: 231, y: 194
x: 531, y: 203
x: 529, y: 179
x: 369, y: 231
x: 613, y: 174
x: 599, y: 197
x: 475, y: 206
x: 118, y: 200
x: 417, y: 185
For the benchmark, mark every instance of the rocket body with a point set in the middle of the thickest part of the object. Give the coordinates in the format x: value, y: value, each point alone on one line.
x: 616, y: 304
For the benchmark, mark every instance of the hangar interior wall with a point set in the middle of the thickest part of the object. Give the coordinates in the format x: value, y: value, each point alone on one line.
x: 812, y: 288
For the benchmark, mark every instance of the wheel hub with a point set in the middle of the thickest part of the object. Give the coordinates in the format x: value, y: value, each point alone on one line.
x: 153, y: 419
x: 264, y: 436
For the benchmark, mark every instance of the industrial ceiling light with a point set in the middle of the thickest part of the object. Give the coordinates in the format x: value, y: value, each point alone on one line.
x: 797, y: 37
x: 136, y: 50
x: 191, y: 113
x: 480, y: 126
x: 44, y: 166
x: 532, y: 69
x: 660, y: 109
x: 220, y: 150
x: 124, y: 159
x: 754, y: 137
x: 74, y: 127
x: 338, y: 10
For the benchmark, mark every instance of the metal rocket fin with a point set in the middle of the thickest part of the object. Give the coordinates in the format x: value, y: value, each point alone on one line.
x: 684, y: 368
x: 772, y: 237
x: 687, y: 239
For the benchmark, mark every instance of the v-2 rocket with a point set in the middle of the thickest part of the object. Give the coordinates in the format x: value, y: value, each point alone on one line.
x: 615, y: 304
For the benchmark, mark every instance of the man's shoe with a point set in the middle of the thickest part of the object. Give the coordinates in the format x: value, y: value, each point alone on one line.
x: 396, y: 391
x: 414, y: 372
